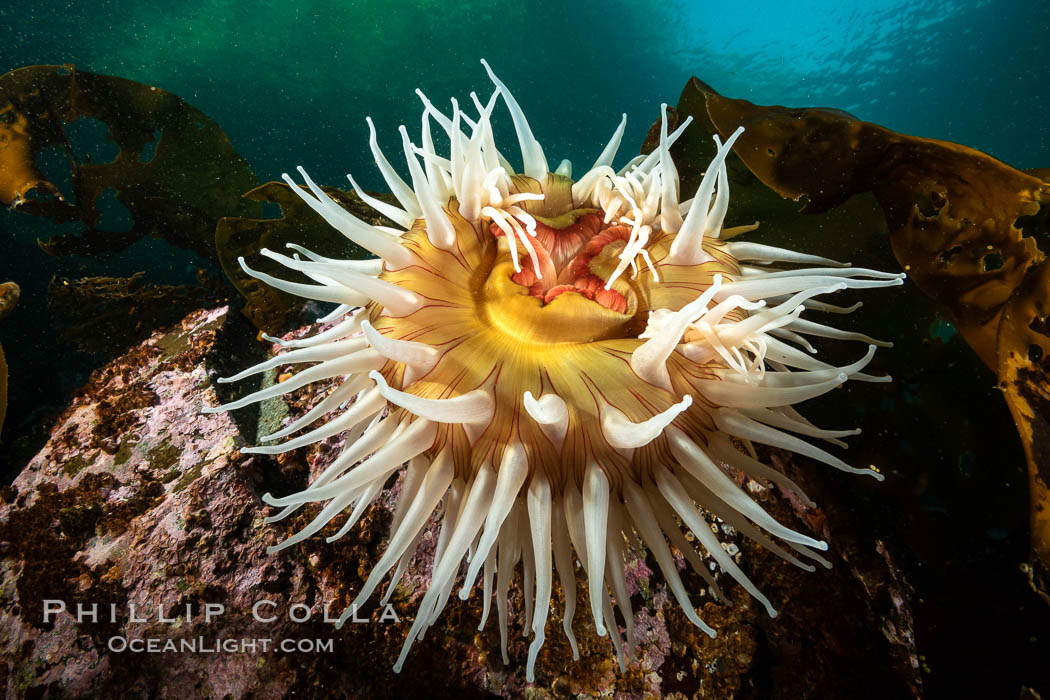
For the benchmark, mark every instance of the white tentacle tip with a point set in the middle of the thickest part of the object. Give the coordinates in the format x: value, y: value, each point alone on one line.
x: 475, y: 407
x: 551, y: 413
x: 623, y: 433
x: 549, y: 409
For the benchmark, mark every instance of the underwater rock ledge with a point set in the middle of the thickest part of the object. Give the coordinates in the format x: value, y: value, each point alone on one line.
x: 140, y: 499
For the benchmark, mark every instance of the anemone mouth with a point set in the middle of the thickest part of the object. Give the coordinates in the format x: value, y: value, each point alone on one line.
x: 563, y: 315
x: 555, y: 366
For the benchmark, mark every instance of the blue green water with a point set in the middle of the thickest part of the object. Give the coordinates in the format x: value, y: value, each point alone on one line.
x: 291, y: 83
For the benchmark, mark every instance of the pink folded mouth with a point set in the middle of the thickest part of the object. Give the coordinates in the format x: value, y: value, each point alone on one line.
x: 564, y: 257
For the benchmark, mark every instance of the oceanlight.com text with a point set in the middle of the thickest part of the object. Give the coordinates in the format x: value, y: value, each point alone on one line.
x: 200, y: 645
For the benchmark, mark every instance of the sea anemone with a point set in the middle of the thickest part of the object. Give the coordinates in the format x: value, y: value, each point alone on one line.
x: 559, y: 367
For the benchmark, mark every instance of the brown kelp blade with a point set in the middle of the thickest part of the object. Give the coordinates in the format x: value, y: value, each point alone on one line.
x: 176, y: 173
x: 1024, y: 377
x: 963, y: 225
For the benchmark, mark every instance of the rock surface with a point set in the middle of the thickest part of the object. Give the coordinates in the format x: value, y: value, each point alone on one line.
x: 144, y: 507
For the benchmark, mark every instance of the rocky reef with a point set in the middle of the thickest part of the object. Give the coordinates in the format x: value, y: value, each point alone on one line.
x: 141, y: 505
